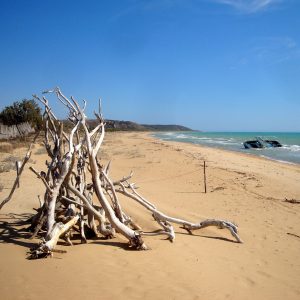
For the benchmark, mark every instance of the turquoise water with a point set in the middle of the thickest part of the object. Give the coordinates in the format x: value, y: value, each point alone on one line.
x: 290, y: 152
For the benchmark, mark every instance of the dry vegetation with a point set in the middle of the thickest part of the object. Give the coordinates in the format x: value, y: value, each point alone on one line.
x: 8, y: 146
x: 8, y: 158
x: 40, y: 151
x: 8, y: 164
x: 9, y: 155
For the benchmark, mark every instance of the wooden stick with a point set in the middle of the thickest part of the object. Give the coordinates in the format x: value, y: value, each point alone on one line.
x: 25, y: 160
x: 204, y: 173
x: 293, y: 234
x: 18, y: 166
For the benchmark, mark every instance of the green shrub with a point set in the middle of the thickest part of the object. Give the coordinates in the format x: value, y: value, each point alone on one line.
x: 20, y: 112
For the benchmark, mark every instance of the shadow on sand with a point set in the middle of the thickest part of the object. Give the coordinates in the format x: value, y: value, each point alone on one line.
x: 210, y: 237
x: 13, y: 230
x: 121, y: 245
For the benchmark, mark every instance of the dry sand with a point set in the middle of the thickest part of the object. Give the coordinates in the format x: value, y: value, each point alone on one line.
x: 208, y: 265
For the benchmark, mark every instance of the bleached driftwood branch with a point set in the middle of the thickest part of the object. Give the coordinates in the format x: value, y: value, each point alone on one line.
x: 20, y: 169
x: 47, y: 246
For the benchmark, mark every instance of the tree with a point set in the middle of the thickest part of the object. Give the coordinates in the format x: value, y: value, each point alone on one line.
x: 20, y: 112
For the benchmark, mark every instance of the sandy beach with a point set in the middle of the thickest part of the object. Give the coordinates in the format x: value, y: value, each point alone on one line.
x: 247, y: 190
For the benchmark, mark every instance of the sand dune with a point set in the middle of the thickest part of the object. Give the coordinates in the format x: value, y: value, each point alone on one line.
x: 207, y: 265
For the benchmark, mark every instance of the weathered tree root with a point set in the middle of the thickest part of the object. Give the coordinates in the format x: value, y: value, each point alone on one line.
x: 212, y: 222
x: 47, y: 246
x: 165, y: 221
x: 80, y: 195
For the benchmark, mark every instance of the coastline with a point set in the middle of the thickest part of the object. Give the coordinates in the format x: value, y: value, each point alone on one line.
x: 247, y: 190
x: 198, y: 148
x: 233, y: 141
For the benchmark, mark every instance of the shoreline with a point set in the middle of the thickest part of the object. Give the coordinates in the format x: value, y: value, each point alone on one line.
x: 239, y: 150
x: 207, y: 148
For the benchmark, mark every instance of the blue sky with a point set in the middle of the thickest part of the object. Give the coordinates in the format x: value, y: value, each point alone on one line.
x: 216, y: 65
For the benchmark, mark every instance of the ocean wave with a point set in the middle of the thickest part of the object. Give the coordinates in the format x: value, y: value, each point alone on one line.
x: 182, y: 136
x: 169, y: 133
x: 212, y: 140
x: 293, y: 148
x: 226, y: 143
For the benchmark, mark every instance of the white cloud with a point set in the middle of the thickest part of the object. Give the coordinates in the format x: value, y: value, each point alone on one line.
x: 249, y: 6
x: 268, y: 51
x: 274, y: 50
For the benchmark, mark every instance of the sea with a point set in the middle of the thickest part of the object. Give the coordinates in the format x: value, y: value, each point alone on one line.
x: 288, y: 153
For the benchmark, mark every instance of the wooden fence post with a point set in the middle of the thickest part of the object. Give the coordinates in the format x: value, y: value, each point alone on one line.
x: 204, y: 177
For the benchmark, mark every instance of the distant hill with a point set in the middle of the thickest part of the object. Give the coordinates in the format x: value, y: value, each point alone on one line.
x: 115, y: 125
x: 166, y: 127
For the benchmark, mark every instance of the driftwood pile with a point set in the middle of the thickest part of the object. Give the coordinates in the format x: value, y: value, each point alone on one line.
x: 79, y: 194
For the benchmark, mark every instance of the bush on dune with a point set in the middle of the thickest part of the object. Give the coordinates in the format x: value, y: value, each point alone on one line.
x: 20, y: 112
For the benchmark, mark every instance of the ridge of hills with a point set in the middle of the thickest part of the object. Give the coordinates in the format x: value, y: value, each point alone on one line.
x: 116, y: 125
